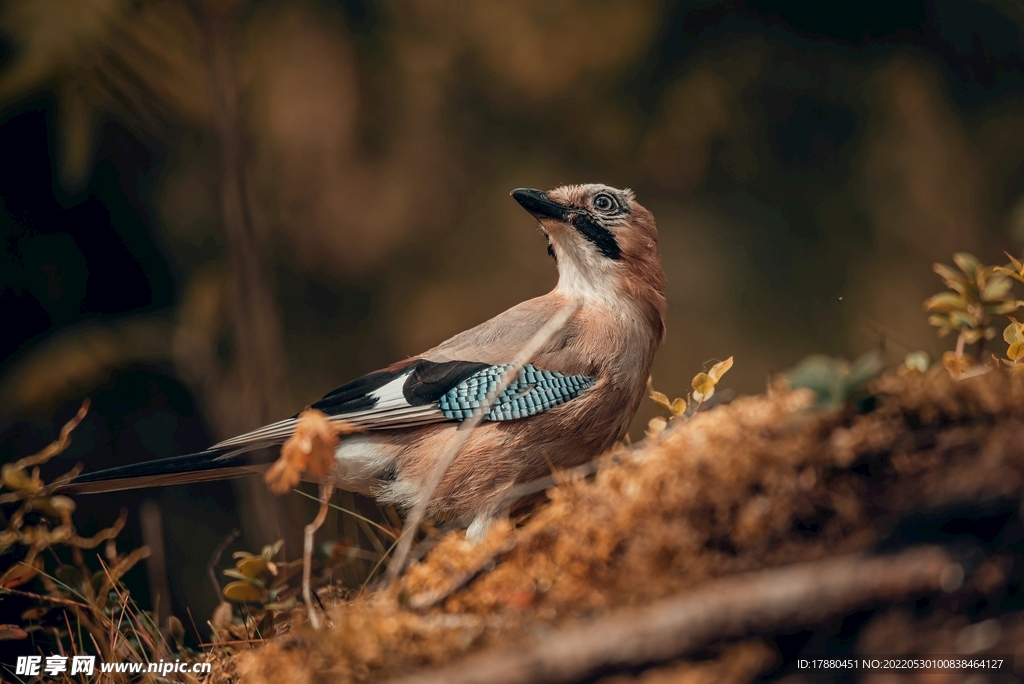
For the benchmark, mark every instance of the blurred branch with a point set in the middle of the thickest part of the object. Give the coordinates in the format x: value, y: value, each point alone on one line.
x: 256, y: 327
x: 725, y: 608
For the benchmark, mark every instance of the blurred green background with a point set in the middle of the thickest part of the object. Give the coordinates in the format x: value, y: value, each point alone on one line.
x: 215, y: 211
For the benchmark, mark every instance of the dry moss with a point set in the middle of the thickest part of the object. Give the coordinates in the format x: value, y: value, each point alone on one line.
x: 759, y: 482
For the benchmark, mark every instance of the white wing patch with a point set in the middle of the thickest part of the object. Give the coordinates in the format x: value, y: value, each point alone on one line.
x: 391, y: 410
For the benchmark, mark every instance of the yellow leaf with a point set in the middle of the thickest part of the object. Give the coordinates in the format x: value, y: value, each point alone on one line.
x: 704, y: 383
x: 678, y: 407
x: 243, y: 592
x: 252, y: 567
x: 1019, y: 276
x: 1015, y: 352
x: 720, y: 369
x: 1016, y: 264
x: 660, y: 399
x: 1013, y: 332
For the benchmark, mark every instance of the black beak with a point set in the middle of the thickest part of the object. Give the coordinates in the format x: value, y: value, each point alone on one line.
x: 538, y: 204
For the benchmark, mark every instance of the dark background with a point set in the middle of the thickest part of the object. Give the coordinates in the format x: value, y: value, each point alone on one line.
x: 806, y: 162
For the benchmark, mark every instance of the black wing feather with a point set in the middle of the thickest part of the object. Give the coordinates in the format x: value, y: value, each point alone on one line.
x: 430, y: 380
x: 215, y: 464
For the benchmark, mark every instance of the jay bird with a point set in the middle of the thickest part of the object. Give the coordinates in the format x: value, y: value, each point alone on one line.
x: 573, y: 399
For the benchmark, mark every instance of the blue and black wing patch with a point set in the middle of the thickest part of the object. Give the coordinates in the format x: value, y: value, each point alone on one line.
x: 424, y: 383
x: 533, y: 391
x: 419, y: 392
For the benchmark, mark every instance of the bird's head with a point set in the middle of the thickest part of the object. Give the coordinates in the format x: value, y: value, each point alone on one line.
x: 604, y: 242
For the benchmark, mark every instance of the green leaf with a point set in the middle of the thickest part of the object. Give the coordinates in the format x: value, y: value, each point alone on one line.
x: 822, y: 375
x: 864, y: 369
x: 231, y: 572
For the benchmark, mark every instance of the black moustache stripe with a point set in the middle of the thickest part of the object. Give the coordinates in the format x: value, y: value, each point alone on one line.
x: 597, y: 234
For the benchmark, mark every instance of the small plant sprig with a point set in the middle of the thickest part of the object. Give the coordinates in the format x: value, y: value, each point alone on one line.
x: 261, y: 585
x: 703, y: 384
x: 977, y: 295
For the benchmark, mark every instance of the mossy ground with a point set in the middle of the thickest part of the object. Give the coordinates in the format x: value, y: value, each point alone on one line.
x: 760, y: 482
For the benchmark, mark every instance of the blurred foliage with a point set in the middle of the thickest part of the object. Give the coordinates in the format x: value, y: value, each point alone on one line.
x: 835, y: 382
x: 978, y: 295
x: 77, y: 608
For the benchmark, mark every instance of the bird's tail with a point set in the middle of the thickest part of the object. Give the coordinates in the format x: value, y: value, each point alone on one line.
x: 215, y: 464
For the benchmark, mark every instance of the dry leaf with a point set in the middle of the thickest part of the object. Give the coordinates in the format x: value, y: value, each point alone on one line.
x: 720, y: 369
x: 309, y: 449
x: 12, y: 632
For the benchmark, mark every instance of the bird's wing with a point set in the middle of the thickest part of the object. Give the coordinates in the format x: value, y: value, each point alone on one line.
x: 432, y: 388
x: 420, y: 391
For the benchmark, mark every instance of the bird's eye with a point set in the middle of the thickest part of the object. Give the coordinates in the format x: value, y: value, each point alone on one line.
x: 604, y: 202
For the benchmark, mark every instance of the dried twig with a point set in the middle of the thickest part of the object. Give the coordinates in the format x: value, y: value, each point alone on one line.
x: 211, y: 567
x: 156, y: 565
x: 326, y: 491
x: 539, y: 339
x: 725, y: 608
